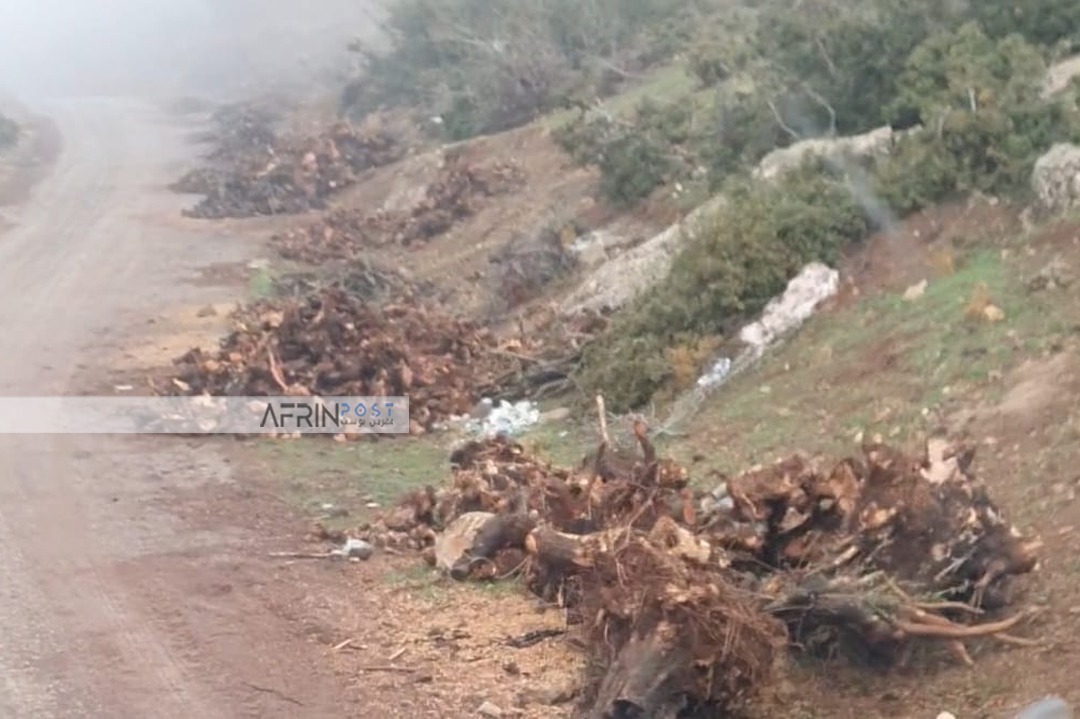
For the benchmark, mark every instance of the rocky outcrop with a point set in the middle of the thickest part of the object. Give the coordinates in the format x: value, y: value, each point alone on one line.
x: 871, y: 144
x: 624, y: 277
x: 1056, y: 178
x: 1060, y: 75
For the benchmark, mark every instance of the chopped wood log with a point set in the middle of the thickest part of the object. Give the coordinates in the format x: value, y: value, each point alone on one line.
x: 500, y: 533
x: 685, y: 597
x: 504, y: 531
x: 562, y: 552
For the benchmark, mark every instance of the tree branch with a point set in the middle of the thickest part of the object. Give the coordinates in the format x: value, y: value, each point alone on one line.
x: 829, y: 64
x: 780, y: 121
x: 819, y: 99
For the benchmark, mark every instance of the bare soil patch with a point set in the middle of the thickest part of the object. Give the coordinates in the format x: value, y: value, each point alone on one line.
x: 923, y: 246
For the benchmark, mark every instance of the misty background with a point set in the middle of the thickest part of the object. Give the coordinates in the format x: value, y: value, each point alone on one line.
x: 214, y: 48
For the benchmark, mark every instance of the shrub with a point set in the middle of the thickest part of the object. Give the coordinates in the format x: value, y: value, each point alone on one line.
x: 985, y: 122
x: 724, y: 45
x: 664, y: 143
x: 1042, y: 22
x: 973, y: 85
x: 836, y: 62
x: 687, y: 360
x: 750, y: 249
x: 489, y: 65
x: 634, y: 156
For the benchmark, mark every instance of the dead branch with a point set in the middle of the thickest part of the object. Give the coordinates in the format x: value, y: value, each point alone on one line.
x: 780, y: 121
x: 302, y: 555
x: 602, y: 418
x: 820, y: 100
x: 956, y: 631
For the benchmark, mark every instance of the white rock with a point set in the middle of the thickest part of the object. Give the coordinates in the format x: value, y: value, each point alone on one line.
x: 815, y: 284
x: 778, y: 162
x: 489, y: 710
x: 1059, y: 75
x: 1056, y: 178
x: 615, y: 283
x: 1048, y: 708
x: 357, y: 549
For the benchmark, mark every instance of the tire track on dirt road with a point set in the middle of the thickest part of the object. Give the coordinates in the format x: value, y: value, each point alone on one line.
x: 98, y: 585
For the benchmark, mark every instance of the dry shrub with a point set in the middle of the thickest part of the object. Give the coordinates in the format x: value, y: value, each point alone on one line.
x: 975, y: 310
x: 688, y: 359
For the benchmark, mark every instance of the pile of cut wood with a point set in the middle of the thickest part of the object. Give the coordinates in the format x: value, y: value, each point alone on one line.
x: 239, y: 130
x: 527, y: 266
x: 331, y: 342
x: 687, y: 598
x: 457, y: 193
x: 253, y: 171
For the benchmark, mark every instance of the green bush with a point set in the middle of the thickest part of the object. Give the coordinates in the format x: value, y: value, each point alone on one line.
x: 985, y: 122
x: 634, y: 156
x: 488, y: 65
x: 973, y: 86
x: 835, y: 63
x: 1042, y: 22
x: 724, y: 45
x: 664, y: 143
x: 9, y: 132
x: 797, y: 68
x: 749, y: 250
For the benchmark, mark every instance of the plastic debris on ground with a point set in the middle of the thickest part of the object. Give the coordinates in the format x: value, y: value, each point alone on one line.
x: 784, y: 314
x: 505, y: 418
x: 719, y: 371
x: 1048, y: 708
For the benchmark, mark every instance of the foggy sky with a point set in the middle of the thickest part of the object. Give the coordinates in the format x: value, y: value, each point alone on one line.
x: 153, y: 47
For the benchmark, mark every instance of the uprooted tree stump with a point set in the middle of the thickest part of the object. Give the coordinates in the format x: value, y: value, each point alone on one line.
x: 687, y: 597
x: 667, y: 627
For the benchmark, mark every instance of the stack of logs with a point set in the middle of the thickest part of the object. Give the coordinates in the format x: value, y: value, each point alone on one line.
x: 330, y: 341
x: 687, y: 598
x: 458, y: 192
x: 254, y: 172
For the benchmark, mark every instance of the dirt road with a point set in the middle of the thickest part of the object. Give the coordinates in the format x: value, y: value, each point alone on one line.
x: 111, y: 605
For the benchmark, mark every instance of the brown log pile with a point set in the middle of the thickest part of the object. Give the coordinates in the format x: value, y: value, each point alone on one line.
x: 457, y: 193
x: 238, y: 130
x: 253, y: 171
x: 331, y: 342
x: 687, y: 597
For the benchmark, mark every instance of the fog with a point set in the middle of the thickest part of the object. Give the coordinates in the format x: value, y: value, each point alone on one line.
x: 214, y: 48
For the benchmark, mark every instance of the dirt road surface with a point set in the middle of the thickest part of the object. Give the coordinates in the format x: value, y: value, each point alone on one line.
x: 111, y: 605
